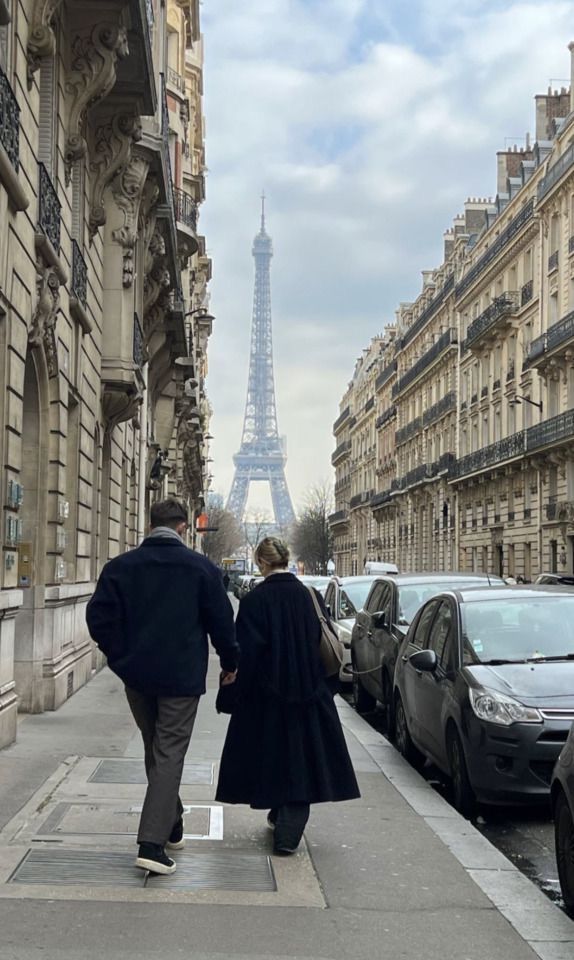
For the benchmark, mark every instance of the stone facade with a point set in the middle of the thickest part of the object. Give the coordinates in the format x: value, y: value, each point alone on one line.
x: 103, y: 312
x: 473, y: 386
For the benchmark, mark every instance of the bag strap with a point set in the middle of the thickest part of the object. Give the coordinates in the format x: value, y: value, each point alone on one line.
x: 317, y: 605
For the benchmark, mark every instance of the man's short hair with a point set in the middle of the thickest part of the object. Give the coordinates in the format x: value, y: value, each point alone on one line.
x: 168, y: 513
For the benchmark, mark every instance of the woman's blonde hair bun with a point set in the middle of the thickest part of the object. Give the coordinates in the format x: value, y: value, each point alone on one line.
x: 272, y: 551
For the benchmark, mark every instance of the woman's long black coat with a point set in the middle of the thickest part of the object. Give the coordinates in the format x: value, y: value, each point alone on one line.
x: 285, y: 743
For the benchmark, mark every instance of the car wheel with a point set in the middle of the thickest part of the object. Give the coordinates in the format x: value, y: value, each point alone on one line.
x: 388, y: 705
x: 364, y: 702
x: 463, y: 794
x: 403, y: 739
x: 564, y: 840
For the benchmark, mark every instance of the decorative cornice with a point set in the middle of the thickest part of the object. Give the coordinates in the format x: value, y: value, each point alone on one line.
x: 41, y: 39
x: 94, y: 58
x: 112, y: 146
x: 127, y: 189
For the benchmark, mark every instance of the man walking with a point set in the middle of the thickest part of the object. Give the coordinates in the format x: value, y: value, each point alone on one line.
x: 150, y: 615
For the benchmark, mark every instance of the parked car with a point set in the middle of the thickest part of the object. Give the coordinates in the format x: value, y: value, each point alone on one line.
x: 484, y: 687
x: 319, y: 583
x: 254, y: 582
x: 344, y: 597
x: 562, y: 793
x: 241, y: 587
x: 563, y: 579
x: 381, y: 627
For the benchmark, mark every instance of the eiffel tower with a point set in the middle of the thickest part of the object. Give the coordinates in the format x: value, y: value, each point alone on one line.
x: 261, y: 456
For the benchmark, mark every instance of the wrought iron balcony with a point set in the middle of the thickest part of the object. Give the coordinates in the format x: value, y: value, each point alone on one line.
x: 444, y: 342
x: 49, y: 207
x: 553, y: 261
x: 185, y: 209
x: 9, y: 121
x: 408, y: 431
x: 165, y: 135
x: 439, y: 409
x: 175, y: 79
x: 556, y: 172
x: 138, y: 346
x: 501, y: 308
x: 79, y: 275
x: 360, y: 499
x: 339, y: 517
x: 551, y: 431
x: 506, y: 449
x: 501, y: 242
x: 526, y: 293
x: 445, y: 463
x: 380, y: 499
x: 388, y: 414
x: 558, y: 334
x: 342, y: 451
x: 428, y: 311
x: 562, y: 510
x: 341, y: 419
x: 385, y: 375
x: 369, y: 404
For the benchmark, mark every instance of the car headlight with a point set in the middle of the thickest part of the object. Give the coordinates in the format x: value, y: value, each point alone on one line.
x: 500, y: 708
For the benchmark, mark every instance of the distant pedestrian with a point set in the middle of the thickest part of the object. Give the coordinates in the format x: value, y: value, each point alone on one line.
x: 150, y: 614
x: 285, y: 747
x: 226, y: 581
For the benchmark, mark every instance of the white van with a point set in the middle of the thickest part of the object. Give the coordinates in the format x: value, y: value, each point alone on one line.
x: 373, y: 567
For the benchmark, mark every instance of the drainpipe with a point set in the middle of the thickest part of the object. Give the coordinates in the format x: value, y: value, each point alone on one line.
x: 141, y: 524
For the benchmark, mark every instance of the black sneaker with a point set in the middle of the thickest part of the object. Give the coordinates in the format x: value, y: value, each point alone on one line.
x: 176, y: 841
x: 284, y: 851
x: 152, y: 857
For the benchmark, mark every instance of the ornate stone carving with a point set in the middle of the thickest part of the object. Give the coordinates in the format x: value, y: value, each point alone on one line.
x: 113, y: 142
x: 41, y: 39
x: 127, y: 189
x: 42, y: 330
x: 93, y: 74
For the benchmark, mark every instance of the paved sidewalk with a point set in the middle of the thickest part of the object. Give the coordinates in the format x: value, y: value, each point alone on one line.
x: 396, y: 874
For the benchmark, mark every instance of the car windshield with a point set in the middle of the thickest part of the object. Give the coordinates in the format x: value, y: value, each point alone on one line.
x: 518, y: 629
x: 320, y: 583
x: 353, y: 596
x: 413, y: 595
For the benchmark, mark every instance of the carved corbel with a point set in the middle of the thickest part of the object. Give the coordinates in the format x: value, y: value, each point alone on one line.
x: 42, y: 331
x: 113, y: 142
x: 127, y: 190
x: 41, y: 39
x: 93, y: 75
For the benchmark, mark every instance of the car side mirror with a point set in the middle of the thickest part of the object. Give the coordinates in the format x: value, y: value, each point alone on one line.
x: 424, y: 660
x: 379, y: 619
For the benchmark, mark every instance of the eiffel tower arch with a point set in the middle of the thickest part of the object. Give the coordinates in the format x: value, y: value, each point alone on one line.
x: 261, y: 456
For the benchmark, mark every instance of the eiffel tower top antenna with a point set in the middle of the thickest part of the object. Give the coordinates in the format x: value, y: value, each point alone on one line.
x: 263, y: 212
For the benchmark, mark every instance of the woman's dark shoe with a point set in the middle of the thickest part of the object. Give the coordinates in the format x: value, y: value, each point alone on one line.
x: 271, y: 819
x: 176, y: 840
x: 283, y: 851
x: 152, y: 857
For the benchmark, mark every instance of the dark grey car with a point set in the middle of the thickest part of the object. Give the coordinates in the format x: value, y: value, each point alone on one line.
x: 382, y: 625
x: 484, y: 687
x: 562, y: 793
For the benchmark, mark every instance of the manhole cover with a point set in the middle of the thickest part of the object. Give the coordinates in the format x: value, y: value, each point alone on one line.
x: 211, y: 871
x: 133, y: 771
x: 97, y: 819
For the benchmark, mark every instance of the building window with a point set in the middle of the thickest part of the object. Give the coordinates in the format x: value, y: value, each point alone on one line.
x: 47, y: 128
x: 6, y: 38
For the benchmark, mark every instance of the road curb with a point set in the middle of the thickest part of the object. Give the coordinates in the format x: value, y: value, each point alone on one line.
x: 542, y: 925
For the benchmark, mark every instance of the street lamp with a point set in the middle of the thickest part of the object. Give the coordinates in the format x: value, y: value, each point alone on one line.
x: 518, y: 400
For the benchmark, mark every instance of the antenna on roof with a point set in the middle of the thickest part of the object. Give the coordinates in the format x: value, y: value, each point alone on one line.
x: 263, y: 211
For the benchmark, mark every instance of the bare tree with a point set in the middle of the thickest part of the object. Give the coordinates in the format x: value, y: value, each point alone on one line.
x: 256, y: 526
x: 225, y: 539
x: 311, y: 537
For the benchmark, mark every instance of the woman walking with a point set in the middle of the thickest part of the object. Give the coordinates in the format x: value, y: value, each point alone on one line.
x: 285, y: 747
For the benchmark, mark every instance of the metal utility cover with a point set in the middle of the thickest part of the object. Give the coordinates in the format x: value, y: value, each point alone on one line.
x: 133, y: 771
x: 97, y: 819
x: 206, y: 871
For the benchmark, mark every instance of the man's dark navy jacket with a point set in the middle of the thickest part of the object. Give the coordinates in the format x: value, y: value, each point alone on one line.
x: 151, y: 612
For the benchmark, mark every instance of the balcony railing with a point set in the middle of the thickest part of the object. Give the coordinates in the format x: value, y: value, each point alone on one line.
x: 506, y: 449
x: 369, y: 404
x: 380, y: 498
x: 496, y: 246
x: 526, y: 293
x: 360, y: 499
x: 341, y: 516
x: 341, y: 419
x: 553, y: 261
x: 388, y: 414
x: 428, y: 311
x: 408, y: 431
x: 502, y: 306
x: 139, y: 348
x: 560, y: 510
x: 79, y: 275
x: 385, y: 375
x: 343, y: 450
x: 49, y: 208
x: 439, y: 409
x: 556, y: 172
x: 185, y: 209
x: 555, y: 336
x: 551, y: 431
x: 165, y: 135
x: 445, y: 341
x: 175, y: 79
x: 445, y: 463
x: 9, y: 121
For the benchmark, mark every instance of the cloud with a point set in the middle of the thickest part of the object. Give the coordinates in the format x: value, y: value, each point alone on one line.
x: 369, y: 125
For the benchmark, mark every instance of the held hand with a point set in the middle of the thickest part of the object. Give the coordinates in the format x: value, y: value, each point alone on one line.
x: 226, y: 677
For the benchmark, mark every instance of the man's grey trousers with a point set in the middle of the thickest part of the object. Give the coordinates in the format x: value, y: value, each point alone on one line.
x: 166, y: 725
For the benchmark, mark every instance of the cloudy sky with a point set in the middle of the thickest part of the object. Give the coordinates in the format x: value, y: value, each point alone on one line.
x: 368, y: 123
